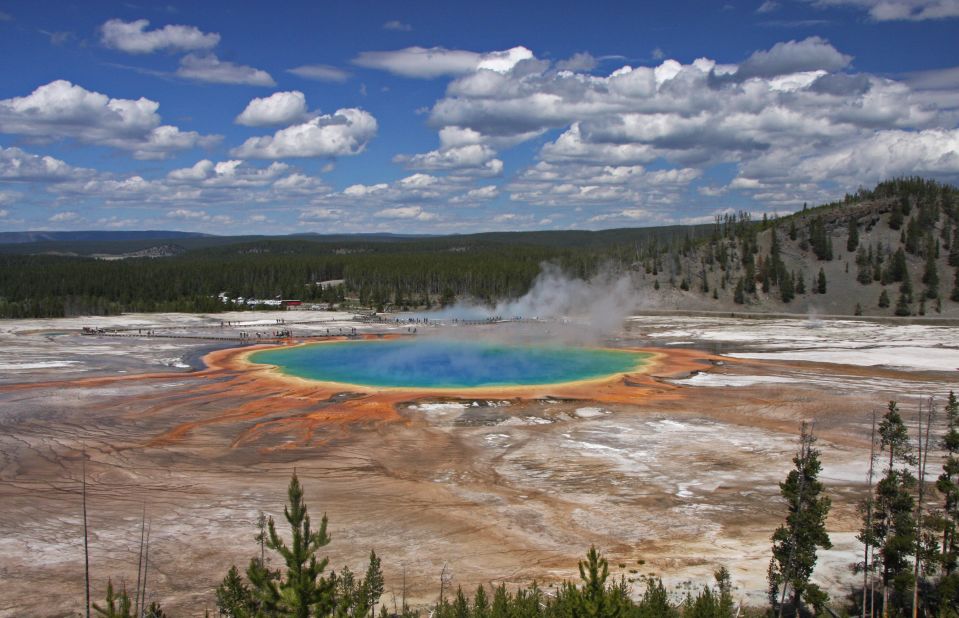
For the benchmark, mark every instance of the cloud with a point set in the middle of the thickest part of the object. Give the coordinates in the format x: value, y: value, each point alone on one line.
x: 5, y: 16
x: 900, y: 10
x: 674, y: 121
x: 475, y: 159
x: 58, y: 38
x: 811, y: 54
x: 582, y: 61
x: 423, y: 63
x: 209, y: 68
x: 343, y: 133
x: 233, y: 173
x: 406, y: 212
x: 320, y: 72
x: 320, y: 214
x: 186, y: 213
x: 280, y: 108
x: 397, y: 25
x: 133, y: 37
x: 61, y: 110
x: 480, y: 194
x: 939, y: 79
x: 17, y: 165
x: 4, y: 213
x: 64, y: 217
x: 864, y: 161
x: 768, y: 7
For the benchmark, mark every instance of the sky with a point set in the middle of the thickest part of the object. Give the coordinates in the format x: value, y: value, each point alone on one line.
x: 452, y: 117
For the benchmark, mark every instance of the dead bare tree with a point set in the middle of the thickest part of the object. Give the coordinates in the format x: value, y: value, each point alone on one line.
x: 86, y: 545
x: 143, y: 522
x: 446, y: 578
x: 146, y: 562
x: 868, y: 531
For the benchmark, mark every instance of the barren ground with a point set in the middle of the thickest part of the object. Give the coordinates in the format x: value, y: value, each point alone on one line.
x: 670, y: 474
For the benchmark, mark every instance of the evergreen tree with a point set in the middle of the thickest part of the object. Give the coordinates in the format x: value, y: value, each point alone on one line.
x: 852, y: 241
x: 786, y: 289
x: 883, y: 299
x: 821, y: 282
x: 796, y: 542
x: 233, y: 596
x: 594, y: 600
x: 902, y: 306
x: 955, y: 288
x: 948, y: 486
x: 931, y: 274
x: 655, y: 602
x: 118, y: 605
x: 501, y: 603
x: 481, y: 607
x: 300, y: 591
x: 893, y: 521
x: 739, y: 294
x: 897, y: 270
x: 373, y: 584
x: 800, y: 282
x: 895, y: 218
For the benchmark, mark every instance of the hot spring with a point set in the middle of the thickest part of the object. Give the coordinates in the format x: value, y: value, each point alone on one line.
x: 445, y: 363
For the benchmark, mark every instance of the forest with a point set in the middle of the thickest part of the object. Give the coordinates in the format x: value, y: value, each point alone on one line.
x: 909, y: 532
x: 902, y: 226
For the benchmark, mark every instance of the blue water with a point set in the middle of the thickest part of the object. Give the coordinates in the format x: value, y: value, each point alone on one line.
x: 441, y: 363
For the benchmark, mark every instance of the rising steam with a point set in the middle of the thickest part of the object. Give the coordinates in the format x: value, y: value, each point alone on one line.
x: 576, y: 310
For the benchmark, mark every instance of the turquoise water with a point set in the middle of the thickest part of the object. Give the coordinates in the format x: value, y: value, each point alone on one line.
x: 440, y: 363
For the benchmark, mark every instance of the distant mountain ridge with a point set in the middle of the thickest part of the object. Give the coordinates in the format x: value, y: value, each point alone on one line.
x: 94, y: 235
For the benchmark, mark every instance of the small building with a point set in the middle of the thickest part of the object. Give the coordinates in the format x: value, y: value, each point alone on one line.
x: 288, y: 303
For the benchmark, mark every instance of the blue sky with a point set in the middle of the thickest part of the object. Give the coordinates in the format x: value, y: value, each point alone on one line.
x: 446, y: 117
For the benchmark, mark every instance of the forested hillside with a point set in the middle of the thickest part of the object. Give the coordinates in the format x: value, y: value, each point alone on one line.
x: 891, y: 250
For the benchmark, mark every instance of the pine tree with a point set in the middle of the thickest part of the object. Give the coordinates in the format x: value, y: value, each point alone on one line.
x: 893, y: 522
x: 739, y: 294
x: 501, y: 603
x: 594, y: 601
x: 955, y: 287
x: 895, y: 218
x: 883, y: 299
x: 931, y: 274
x: 299, y: 591
x: 786, y: 289
x: 117, y: 605
x: 461, y: 607
x: 233, y: 597
x: 373, y: 583
x: 796, y: 542
x: 481, y: 608
x: 948, y: 486
x: 852, y: 241
x: 821, y: 282
x: 655, y: 602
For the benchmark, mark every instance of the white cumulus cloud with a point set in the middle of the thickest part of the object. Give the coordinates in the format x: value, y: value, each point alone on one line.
x: 428, y: 63
x: 406, y: 212
x: 61, y: 110
x: 280, y: 108
x: 134, y: 38
x: 343, y: 133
